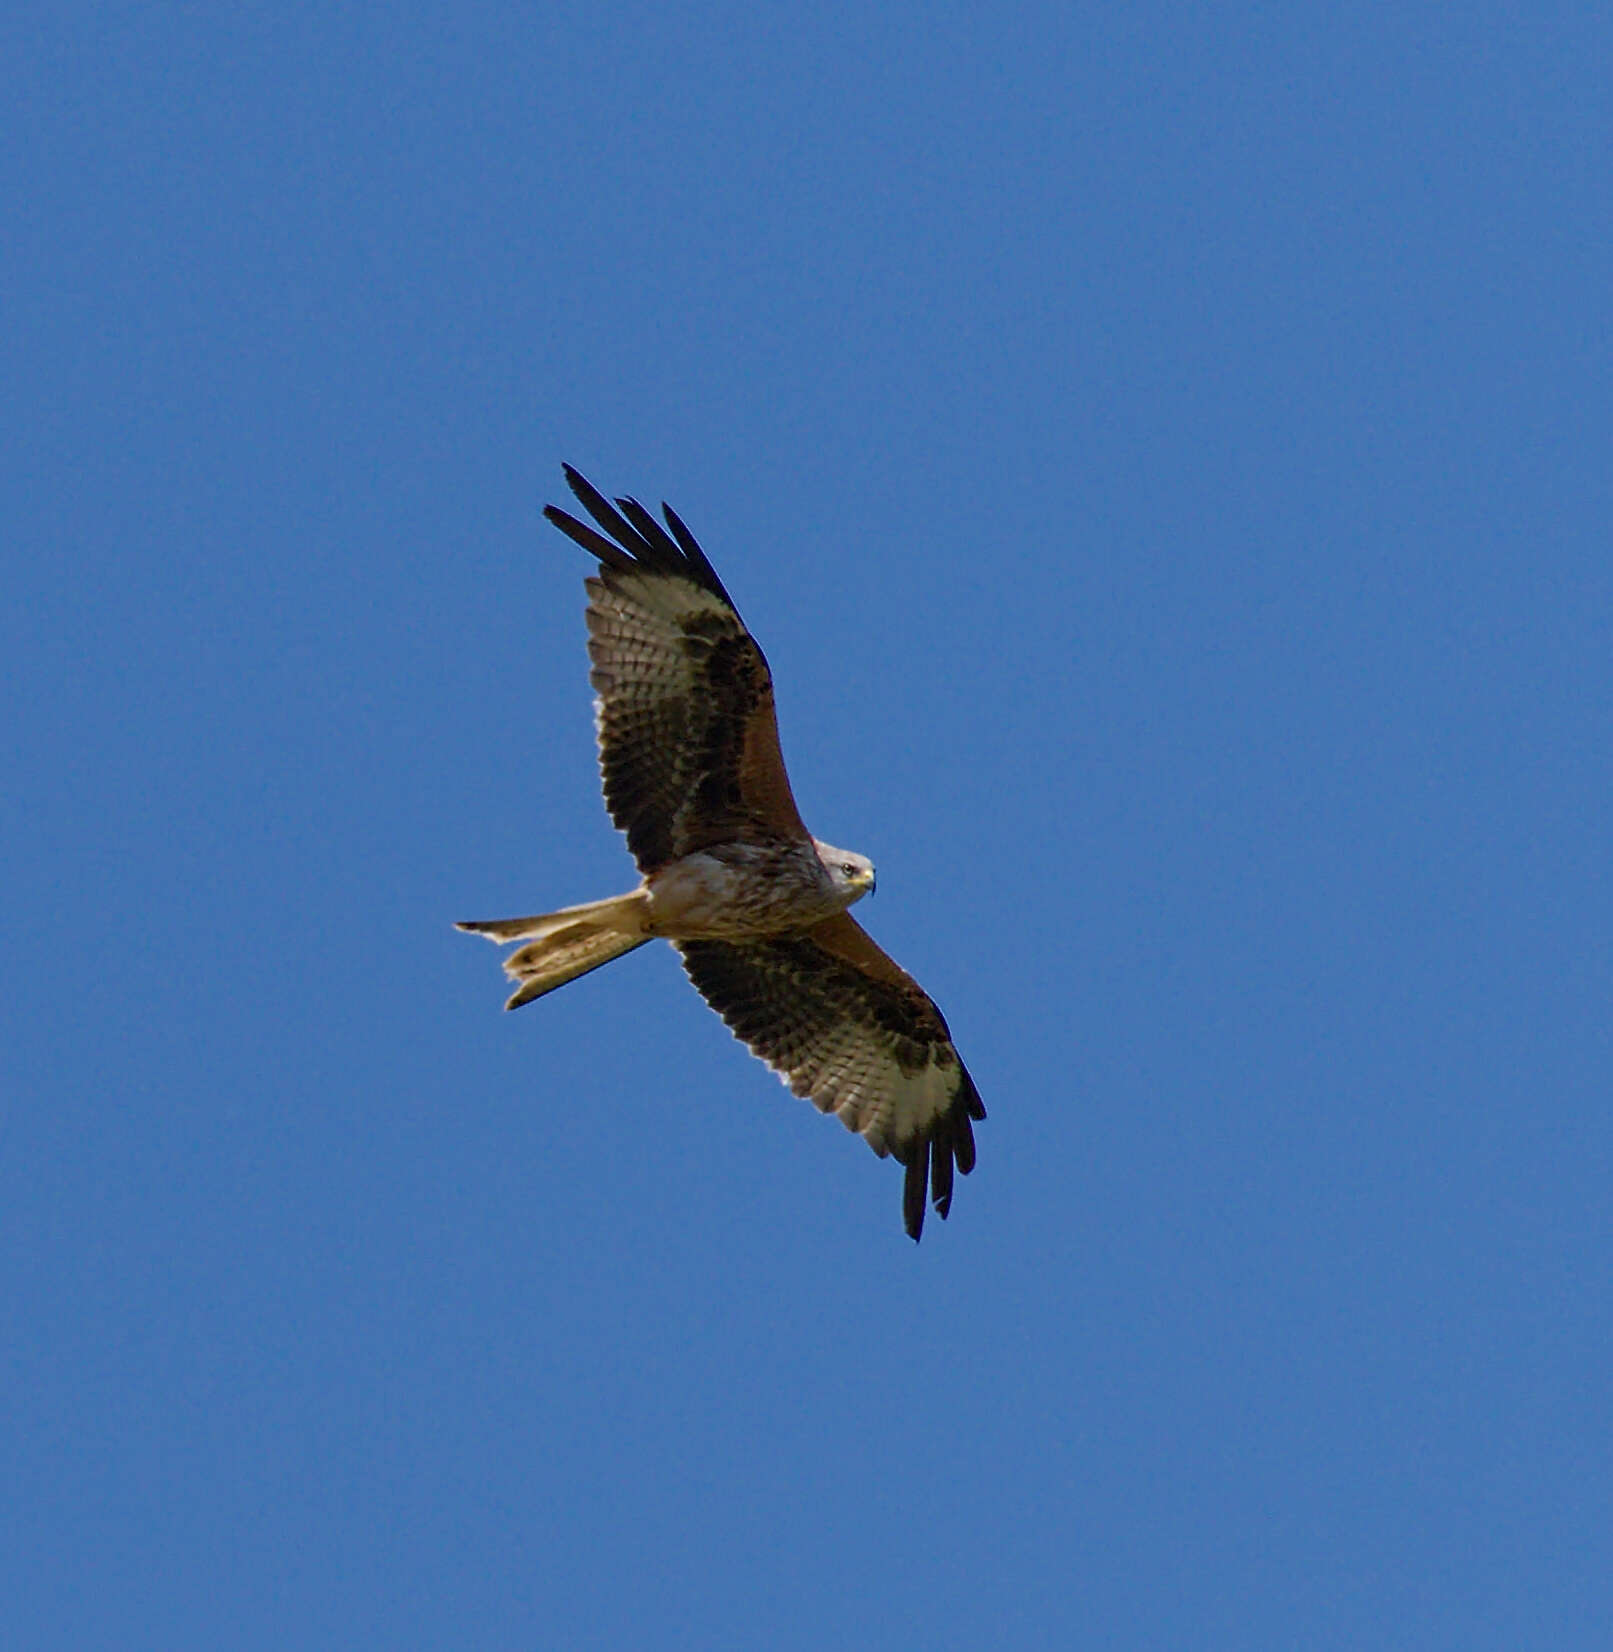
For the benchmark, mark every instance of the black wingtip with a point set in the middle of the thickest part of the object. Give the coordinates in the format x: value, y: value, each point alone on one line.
x: 934, y: 1160
x: 591, y: 539
x: 603, y: 511
x: 914, y: 1187
x: 941, y: 1178
x: 636, y: 539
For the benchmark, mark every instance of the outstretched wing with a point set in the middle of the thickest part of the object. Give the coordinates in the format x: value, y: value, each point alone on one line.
x: 688, y: 739
x: 848, y: 1028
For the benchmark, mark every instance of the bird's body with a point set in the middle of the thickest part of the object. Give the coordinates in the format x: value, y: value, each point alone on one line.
x: 693, y: 775
x: 738, y: 891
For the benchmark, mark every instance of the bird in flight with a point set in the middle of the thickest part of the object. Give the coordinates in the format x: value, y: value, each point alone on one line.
x: 755, y: 905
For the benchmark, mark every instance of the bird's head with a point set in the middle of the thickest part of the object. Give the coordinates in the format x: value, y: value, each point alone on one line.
x: 852, y: 874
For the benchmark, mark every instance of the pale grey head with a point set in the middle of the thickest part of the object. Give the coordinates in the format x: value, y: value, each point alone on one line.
x: 851, y: 874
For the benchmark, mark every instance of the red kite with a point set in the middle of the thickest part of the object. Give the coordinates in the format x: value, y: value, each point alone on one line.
x: 689, y: 750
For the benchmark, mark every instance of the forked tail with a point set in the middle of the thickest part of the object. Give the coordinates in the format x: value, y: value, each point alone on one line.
x: 563, y: 945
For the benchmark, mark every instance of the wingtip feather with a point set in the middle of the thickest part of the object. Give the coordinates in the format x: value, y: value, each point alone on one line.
x: 941, y: 1178
x: 914, y: 1186
x: 641, y: 540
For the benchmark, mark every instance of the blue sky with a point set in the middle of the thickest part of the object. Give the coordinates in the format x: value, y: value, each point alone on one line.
x: 1164, y: 453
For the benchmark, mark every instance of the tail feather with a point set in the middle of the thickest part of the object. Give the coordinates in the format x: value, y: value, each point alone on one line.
x: 507, y: 929
x: 563, y: 945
